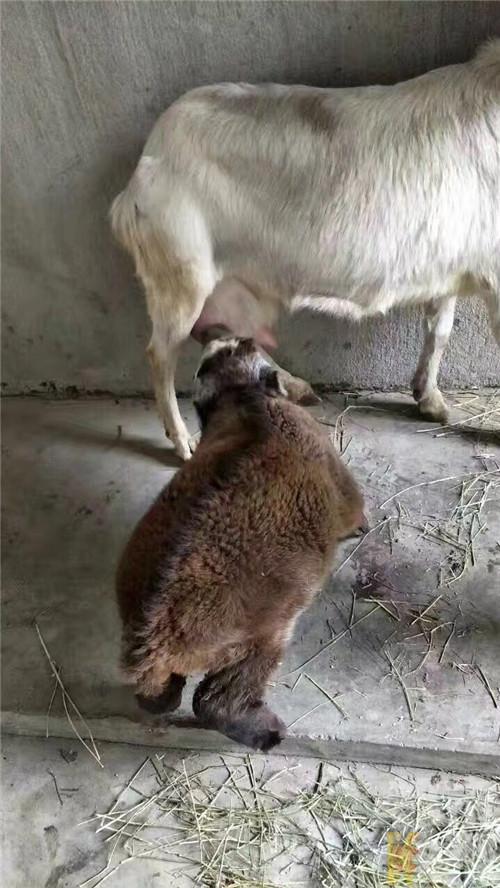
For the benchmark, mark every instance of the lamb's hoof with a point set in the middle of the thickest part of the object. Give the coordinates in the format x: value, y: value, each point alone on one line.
x: 167, y: 701
x: 268, y: 739
x: 258, y: 728
x: 434, y: 408
x: 154, y: 705
x: 262, y: 739
x: 269, y: 731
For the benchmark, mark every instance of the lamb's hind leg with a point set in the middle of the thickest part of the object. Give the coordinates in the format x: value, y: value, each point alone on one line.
x: 231, y: 700
x: 439, y: 316
x: 166, y: 701
x: 157, y: 688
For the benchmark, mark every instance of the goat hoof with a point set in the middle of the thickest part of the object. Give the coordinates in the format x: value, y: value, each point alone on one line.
x: 183, y: 448
x: 434, y: 408
x: 194, y: 441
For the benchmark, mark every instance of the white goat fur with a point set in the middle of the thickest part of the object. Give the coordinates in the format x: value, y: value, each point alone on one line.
x: 347, y: 201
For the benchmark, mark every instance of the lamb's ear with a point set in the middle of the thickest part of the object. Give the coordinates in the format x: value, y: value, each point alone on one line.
x: 217, y: 331
x: 271, y: 382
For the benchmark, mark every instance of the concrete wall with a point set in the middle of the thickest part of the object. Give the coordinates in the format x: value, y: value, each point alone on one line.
x: 83, y: 83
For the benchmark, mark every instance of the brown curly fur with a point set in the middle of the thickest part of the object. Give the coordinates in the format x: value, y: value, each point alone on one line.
x: 231, y: 552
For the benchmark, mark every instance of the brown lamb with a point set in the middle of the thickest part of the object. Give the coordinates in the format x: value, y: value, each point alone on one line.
x: 234, y: 548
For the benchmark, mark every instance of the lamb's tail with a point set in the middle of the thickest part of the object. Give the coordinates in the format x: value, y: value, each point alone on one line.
x: 144, y: 664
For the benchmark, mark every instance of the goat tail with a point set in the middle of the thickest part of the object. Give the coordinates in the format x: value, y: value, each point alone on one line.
x: 135, y: 222
x: 124, y: 219
x: 130, y: 210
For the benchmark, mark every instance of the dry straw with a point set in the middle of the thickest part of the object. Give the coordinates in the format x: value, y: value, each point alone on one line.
x: 244, y: 832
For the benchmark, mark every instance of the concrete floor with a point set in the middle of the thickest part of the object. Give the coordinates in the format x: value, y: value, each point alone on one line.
x: 413, y: 666
x: 51, y: 791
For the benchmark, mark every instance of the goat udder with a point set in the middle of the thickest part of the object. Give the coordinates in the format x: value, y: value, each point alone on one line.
x: 263, y: 336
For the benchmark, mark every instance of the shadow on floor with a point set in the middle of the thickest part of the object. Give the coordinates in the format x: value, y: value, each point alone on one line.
x: 404, y: 410
x: 474, y: 434
x: 144, y: 447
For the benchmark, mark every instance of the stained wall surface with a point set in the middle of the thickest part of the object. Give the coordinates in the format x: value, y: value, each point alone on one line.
x: 83, y: 82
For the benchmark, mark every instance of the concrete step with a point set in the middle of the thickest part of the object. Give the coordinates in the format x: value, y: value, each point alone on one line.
x: 55, y: 790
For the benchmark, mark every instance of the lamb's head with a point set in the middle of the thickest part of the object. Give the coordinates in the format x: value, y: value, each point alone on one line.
x: 230, y: 363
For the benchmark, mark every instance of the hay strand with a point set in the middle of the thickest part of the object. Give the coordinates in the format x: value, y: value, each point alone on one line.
x: 66, y: 698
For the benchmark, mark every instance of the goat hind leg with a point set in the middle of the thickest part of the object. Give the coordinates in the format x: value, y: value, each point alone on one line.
x: 163, y: 359
x: 173, y: 311
x: 493, y: 302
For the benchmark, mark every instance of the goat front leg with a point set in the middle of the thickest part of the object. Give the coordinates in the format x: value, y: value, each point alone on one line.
x: 439, y: 315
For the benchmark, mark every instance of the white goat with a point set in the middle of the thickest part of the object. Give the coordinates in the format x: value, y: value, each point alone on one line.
x: 347, y: 201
